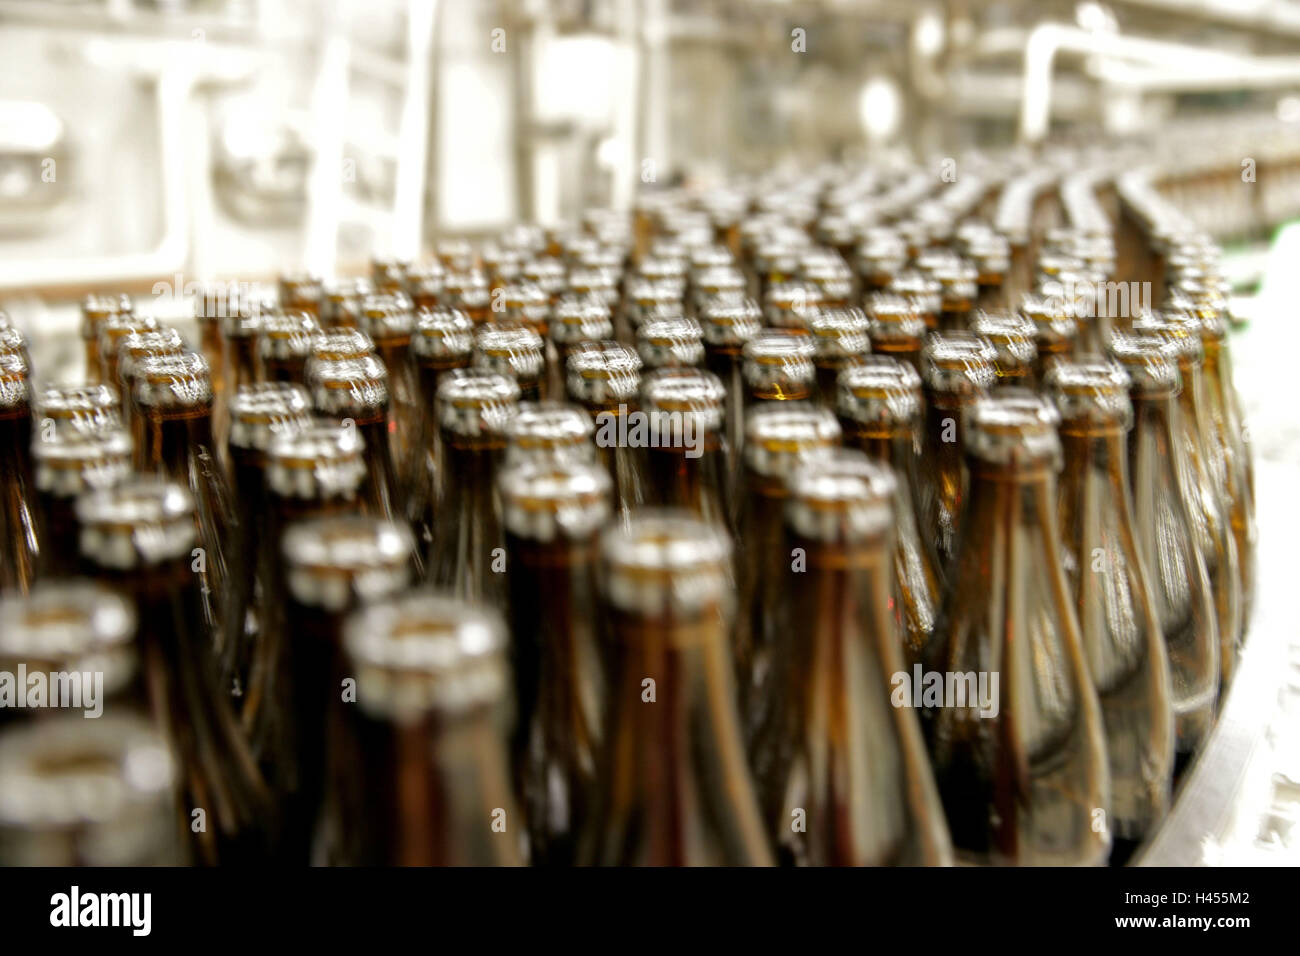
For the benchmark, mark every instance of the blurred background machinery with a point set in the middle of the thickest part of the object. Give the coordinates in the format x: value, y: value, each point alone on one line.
x: 148, y: 146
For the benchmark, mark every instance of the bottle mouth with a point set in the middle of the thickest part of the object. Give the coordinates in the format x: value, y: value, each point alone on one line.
x: 172, y: 381
x: 549, y: 426
x: 844, y: 497
x: 778, y: 435
x: 341, y: 344
x: 335, y: 562
x: 840, y: 333
x: 1090, y: 392
x: 140, y: 521
x: 670, y: 341
x: 1151, y: 360
x: 552, y: 500
x: 424, y: 653
x: 665, y: 561
x: 70, y: 462
x: 777, y: 355
x: 477, y: 402
x: 83, y: 408
x: 67, y: 773
x: 348, y: 386
x: 510, y: 349
x: 1013, y: 427
x: 688, y: 391
x: 879, y: 390
x: 730, y: 321
x: 321, y: 458
x: 67, y: 621
x: 959, y: 363
x: 443, y: 332
x: 604, y: 371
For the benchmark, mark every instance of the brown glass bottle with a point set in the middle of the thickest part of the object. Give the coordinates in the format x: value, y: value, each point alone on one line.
x: 1021, y: 765
x: 1167, y: 540
x: 553, y: 511
x: 843, y: 775
x: 173, y: 400
x: 958, y: 280
x: 839, y: 342
x: 575, y: 319
x: 284, y: 343
x: 77, y: 408
x: 112, y: 331
x: 258, y: 414
x: 959, y: 367
x: 728, y: 324
x: 68, y: 463
x: 302, y: 291
x: 388, y: 273
x: 18, y: 544
x: 1203, y: 485
x: 431, y: 676
x: 81, y: 638
x: 355, y: 392
x: 1122, y: 640
x: 1227, y: 428
x: 139, y: 538
x: 895, y: 327
x: 333, y: 566
x: 468, y: 557
x: 688, y: 460
x: 675, y: 790
x: 340, y: 303
x: 1013, y: 339
x: 132, y: 350
x: 880, y: 256
x: 924, y: 292
x: 389, y: 320
x: 424, y: 283
x: 98, y: 793
x: 676, y: 342
x: 95, y: 310
x: 605, y: 379
x: 880, y: 414
x: 548, y: 432
x: 1055, y: 331
x: 777, y: 438
x: 240, y: 336
x: 512, y: 349
x: 778, y: 367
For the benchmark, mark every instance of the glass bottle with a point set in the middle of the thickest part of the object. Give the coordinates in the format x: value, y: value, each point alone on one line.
x: 424, y: 284
x: 138, y: 538
x: 284, y: 343
x: 778, y: 367
x: 1167, y: 540
x: 389, y: 320
x: 553, y: 511
x: 1203, y: 486
x: 728, y: 324
x: 924, y: 292
x: 333, y: 566
x: 575, y: 319
x: 431, y: 676
x: 340, y: 303
x: 605, y: 379
x: 259, y: 413
x: 959, y: 368
x: 77, y: 408
x: 1012, y: 337
x: 68, y: 463
x: 19, y: 544
x: 510, y: 348
x: 895, y: 327
x: 839, y: 342
x: 675, y: 790
x: 1122, y: 639
x: 1055, y: 331
x: 112, y: 330
x: 880, y: 414
x: 95, y: 793
x: 842, y: 774
x: 79, y: 636
x: 302, y: 291
x: 687, y: 459
x: 355, y: 392
x: 777, y: 438
x: 133, y: 349
x: 1021, y: 764
x: 468, y: 559
x: 173, y: 399
x: 95, y: 310
x: 676, y: 342
x: 548, y: 432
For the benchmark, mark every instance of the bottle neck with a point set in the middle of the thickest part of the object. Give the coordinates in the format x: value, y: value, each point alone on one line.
x: 172, y: 437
